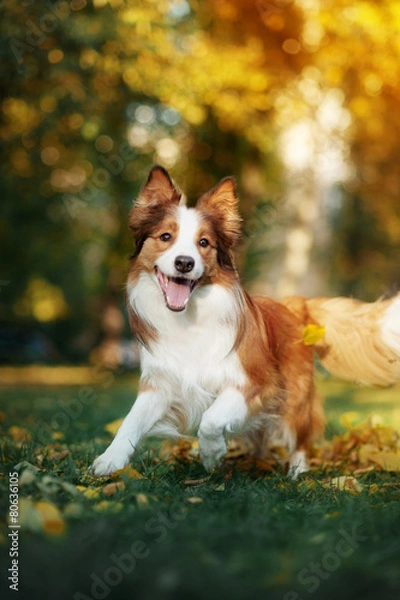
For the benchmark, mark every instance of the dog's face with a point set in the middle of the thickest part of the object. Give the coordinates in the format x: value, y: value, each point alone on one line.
x: 183, y: 248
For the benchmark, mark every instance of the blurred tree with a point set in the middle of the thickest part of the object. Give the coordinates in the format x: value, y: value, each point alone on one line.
x: 94, y: 93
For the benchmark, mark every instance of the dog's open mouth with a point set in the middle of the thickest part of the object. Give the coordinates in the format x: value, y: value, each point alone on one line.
x: 176, y: 290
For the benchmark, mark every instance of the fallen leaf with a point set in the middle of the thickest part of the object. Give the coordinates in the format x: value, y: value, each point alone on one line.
x: 129, y: 472
x: 312, y: 334
x: 389, y: 461
x: 19, y: 434
x: 333, y: 515
x: 197, y: 481
x: 57, y: 455
x: 236, y: 448
x: 386, y: 435
x: 53, y: 522
x: 73, y: 510
x: 194, y: 500
x: 344, y: 483
x: 107, y: 505
x: 348, y: 418
x: 220, y: 488
x: 89, y: 492
x: 142, y: 500
x: 112, y: 488
x: 364, y: 470
x: 366, y: 451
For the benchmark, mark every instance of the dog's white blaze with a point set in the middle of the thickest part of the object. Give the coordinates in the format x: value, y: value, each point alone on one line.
x: 390, y: 326
x: 185, y: 245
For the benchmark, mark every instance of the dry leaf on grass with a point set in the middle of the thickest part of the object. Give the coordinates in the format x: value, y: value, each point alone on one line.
x: 89, y: 492
x: 128, y: 472
x: 19, y: 434
x: 107, y: 505
x: 388, y: 461
x: 344, y: 483
x: 194, y: 500
x: 112, y: 488
x: 142, y: 500
x: 40, y: 516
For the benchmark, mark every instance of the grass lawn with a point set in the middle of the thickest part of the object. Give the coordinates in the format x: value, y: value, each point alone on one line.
x: 150, y: 535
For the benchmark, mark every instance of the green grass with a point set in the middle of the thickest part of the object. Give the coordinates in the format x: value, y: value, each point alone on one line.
x: 251, y: 535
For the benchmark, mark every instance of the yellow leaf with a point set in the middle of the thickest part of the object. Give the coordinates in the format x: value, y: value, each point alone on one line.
x: 389, y: 461
x: 385, y: 434
x: 333, y: 515
x: 52, y: 520
x: 113, y: 426
x: 129, y: 472
x: 105, y: 505
x: 73, y: 510
x: 142, y: 499
x: 19, y: 434
x: 366, y: 452
x: 312, y: 334
x: 89, y: 492
x: 348, y: 418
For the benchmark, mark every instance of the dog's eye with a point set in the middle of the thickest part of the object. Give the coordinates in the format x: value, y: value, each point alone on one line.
x: 165, y: 237
x: 204, y: 243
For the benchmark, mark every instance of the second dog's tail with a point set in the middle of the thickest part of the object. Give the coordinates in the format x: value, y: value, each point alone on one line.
x: 361, y: 341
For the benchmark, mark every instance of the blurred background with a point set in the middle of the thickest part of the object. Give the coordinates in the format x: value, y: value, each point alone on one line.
x: 299, y: 100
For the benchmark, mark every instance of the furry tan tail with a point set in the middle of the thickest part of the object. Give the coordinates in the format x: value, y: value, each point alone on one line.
x: 361, y: 341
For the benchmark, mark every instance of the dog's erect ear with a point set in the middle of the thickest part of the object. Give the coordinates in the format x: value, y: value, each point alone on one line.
x: 221, y: 204
x: 159, y: 188
x: 157, y: 197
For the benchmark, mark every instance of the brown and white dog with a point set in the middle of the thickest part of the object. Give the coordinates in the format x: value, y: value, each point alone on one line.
x: 218, y: 361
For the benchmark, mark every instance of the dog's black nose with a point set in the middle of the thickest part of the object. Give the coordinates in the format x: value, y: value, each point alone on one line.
x: 184, y: 264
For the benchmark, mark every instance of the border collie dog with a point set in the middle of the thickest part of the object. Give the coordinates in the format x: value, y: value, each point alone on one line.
x: 220, y: 362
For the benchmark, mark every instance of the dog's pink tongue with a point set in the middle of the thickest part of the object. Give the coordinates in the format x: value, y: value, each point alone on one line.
x: 178, y: 293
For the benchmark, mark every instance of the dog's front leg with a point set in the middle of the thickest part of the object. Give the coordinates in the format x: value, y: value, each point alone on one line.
x: 225, y: 416
x: 149, y: 408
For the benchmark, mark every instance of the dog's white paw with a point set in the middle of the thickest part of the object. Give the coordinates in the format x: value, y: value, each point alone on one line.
x: 108, y: 463
x: 212, y: 451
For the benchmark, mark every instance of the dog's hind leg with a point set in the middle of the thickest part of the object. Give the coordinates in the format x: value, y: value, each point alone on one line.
x: 305, y: 424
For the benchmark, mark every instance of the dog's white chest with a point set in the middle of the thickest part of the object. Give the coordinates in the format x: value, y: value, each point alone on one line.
x: 194, y: 358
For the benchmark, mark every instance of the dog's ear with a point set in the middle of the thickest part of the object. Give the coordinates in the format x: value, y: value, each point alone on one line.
x: 158, y: 189
x: 221, y: 204
x: 157, y: 197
